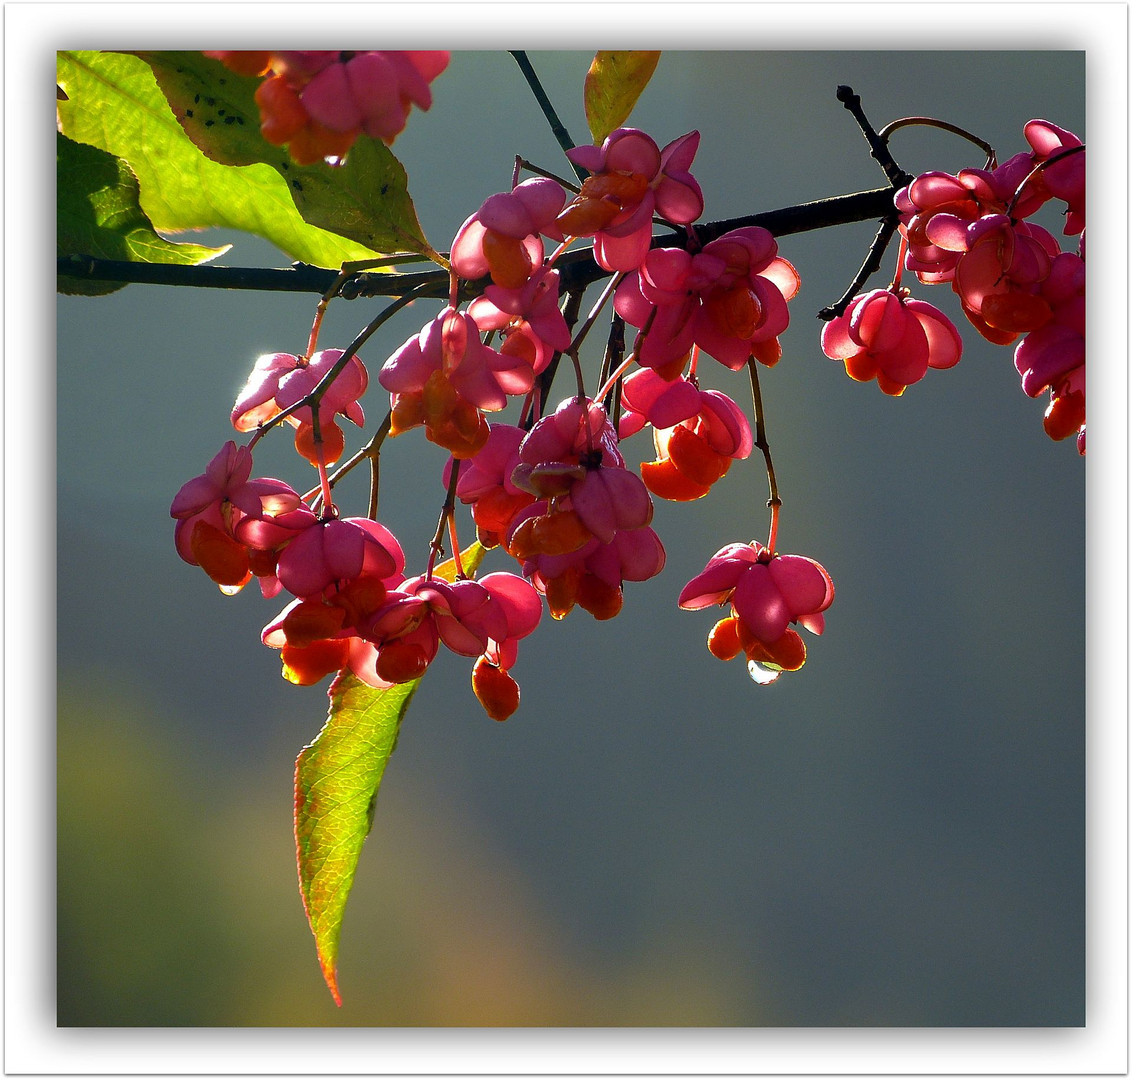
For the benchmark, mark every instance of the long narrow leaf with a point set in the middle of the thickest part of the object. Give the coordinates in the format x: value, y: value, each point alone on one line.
x: 336, y: 783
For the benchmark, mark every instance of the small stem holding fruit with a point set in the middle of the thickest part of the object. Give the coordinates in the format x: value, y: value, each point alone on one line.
x: 1038, y: 169
x: 446, y: 523
x: 930, y: 121
x: 869, y: 267
x: 774, y: 502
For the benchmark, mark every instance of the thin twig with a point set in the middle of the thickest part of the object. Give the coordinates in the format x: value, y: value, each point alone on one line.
x: 869, y: 267
x: 878, y: 146
x: 315, y: 396
x: 556, y: 125
x: 931, y: 121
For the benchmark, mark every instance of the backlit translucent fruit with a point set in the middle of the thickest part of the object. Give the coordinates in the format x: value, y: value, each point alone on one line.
x: 1064, y: 178
x: 767, y: 593
x: 888, y: 337
x: 631, y: 180
x: 227, y: 521
x: 280, y: 380
x: 496, y: 691
x: 697, y: 433
x: 729, y: 299
x: 502, y: 238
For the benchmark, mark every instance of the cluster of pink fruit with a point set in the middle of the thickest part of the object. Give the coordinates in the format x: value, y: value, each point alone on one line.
x: 317, y: 103
x: 1012, y: 279
x: 553, y: 489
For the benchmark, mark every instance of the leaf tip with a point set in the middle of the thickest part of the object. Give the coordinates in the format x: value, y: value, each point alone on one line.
x: 330, y: 974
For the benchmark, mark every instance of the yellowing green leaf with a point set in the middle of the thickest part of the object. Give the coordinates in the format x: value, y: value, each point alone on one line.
x: 113, y: 102
x: 366, y: 199
x: 98, y: 214
x: 613, y: 85
x: 336, y: 782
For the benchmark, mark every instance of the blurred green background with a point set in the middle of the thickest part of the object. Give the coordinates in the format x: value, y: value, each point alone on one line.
x: 893, y: 836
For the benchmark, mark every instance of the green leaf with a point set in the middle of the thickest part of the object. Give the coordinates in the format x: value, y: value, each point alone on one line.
x: 613, y: 85
x: 366, y: 199
x: 98, y: 214
x: 336, y: 782
x: 113, y: 102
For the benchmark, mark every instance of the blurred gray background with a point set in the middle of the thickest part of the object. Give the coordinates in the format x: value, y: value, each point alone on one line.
x: 892, y: 836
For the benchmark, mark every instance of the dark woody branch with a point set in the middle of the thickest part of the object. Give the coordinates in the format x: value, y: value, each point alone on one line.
x: 577, y: 268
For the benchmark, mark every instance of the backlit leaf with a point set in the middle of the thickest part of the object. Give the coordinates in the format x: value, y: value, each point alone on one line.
x: 336, y: 783
x: 98, y: 214
x: 613, y: 85
x: 113, y: 102
x: 366, y: 199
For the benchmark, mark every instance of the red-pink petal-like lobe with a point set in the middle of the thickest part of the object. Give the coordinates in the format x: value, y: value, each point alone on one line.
x: 328, y: 100
x: 528, y: 208
x: 341, y: 396
x: 229, y: 468
x: 383, y: 557
x: 814, y: 622
x: 934, y: 188
x: 491, y: 467
x: 562, y: 436
x: 517, y: 599
x: 467, y: 256
x: 714, y: 584
x: 835, y: 340
x: 451, y: 343
x: 621, y: 254
x: 265, y: 496
x: 1047, y: 139
x: 640, y: 553
x: 428, y: 63
x: 782, y: 274
x: 455, y: 608
x: 256, y: 403
x: 609, y: 499
x: 725, y: 426
x: 1048, y: 355
x: 589, y: 158
x: 270, y: 532
x: 1064, y: 179
x: 945, y: 346
x: 678, y: 196
x: 372, y: 84
x: 948, y: 231
x: 658, y: 402
x: 327, y: 552
x: 409, y: 367
x: 630, y: 150
x: 877, y: 321
x: 804, y: 584
x: 759, y: 603
x: 403, y: 613
x: 506, y: 214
